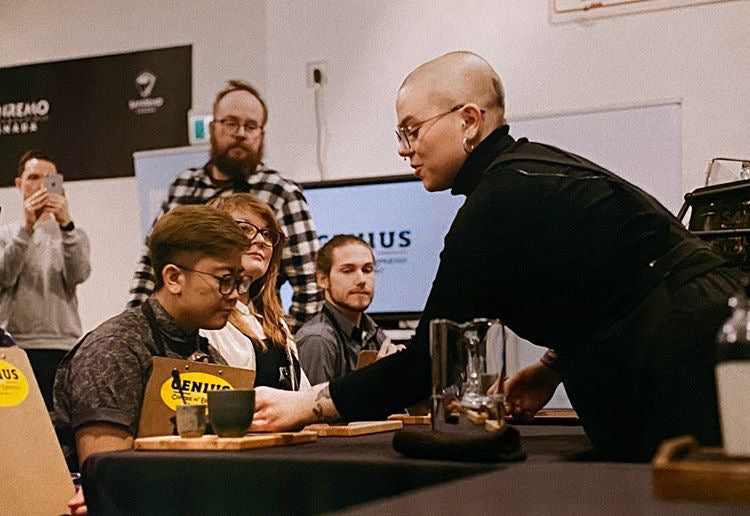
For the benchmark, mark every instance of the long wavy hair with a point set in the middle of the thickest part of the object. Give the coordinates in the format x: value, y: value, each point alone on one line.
x: 263, y: 294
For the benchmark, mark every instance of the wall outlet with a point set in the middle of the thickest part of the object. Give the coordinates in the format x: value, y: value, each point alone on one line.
x: 310, y: 74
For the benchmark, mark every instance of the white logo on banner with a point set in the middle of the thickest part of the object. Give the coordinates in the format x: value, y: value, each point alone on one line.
x: 144, y: 83
x: 23, y: 117
x: 145, y: 105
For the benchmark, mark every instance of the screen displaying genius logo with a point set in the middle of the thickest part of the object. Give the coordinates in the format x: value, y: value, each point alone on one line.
x: 14, y: 388
x: 195, y: 386
x: 381, y: 239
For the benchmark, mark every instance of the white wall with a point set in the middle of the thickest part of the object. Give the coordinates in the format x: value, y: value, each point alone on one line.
x: 228, y: 38
x: 699, y: 54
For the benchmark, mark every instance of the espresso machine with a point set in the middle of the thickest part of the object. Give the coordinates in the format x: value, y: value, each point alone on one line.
x: 720, y: 211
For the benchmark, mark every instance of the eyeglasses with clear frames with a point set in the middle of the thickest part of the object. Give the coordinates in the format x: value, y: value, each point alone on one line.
x: 270, y: 237
x: 232, y: 125
x: 407, y: 135
x: 227, y: 282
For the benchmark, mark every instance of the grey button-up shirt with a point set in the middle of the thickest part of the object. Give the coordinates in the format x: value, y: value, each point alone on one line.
x: 329, y: 343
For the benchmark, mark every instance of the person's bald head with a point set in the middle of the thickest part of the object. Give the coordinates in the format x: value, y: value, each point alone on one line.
x: 457, y: 78
x: 445, y: 108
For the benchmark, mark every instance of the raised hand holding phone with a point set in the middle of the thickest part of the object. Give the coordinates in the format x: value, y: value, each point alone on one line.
x: 33, y: 207
x: 57, y: 204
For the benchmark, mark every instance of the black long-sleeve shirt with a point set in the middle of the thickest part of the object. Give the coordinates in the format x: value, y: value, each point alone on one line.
x: 551, y: 244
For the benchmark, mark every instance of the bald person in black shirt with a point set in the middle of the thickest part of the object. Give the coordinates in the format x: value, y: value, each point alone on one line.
x: 569, y: 256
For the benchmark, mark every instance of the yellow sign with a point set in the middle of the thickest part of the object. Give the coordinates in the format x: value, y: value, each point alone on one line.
x: 13, y: 385
x: 195, y: 386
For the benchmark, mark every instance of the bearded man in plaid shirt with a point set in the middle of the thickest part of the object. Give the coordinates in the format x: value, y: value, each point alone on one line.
x: 237, y: 133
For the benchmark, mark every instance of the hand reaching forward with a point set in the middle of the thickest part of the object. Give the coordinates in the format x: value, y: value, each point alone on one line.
x: 278, y: 411
x: 530, y: 389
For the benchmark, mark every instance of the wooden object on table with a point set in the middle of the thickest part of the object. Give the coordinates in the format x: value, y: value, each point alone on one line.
x: 366, y: 357
x: 352, y: 429
x: 557, y: 414
x: 681, y: 469
x: 408, y: 419
x: 35, y: 479
x: 477, y: 418
x: 214, y: 442
x: 493, y: 425
x: 548, y: 415
x: 161, y: 397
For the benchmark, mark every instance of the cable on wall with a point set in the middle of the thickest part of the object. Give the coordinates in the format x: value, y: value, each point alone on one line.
x: 316, y: 79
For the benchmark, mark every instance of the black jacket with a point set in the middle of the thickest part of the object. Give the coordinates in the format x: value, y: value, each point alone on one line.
x: 551, y: 244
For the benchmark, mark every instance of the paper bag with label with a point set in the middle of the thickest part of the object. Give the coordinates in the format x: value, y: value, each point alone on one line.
x: 162, y: 394
x: 35, y: 477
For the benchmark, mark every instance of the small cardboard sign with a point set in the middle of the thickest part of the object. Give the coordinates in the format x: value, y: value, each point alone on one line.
x: 35, y: 477
x: 162, y: 393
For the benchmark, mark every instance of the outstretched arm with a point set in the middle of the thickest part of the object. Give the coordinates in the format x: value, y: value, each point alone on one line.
x: 277, y: 410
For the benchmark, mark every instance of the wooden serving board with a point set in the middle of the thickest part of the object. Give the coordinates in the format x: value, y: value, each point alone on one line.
x: 681, y: 469
x: 214, y: 442
x: 352, y: 429
x: 410, y: 420
x: 556, y: 414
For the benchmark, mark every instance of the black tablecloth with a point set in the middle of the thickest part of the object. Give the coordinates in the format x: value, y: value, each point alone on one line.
x: 347, y: 473
x: 326, y: 475
x: 563, y: 488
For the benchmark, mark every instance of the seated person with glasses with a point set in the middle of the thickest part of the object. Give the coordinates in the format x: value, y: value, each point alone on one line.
x: 100, y: 384
x: 256, y: 336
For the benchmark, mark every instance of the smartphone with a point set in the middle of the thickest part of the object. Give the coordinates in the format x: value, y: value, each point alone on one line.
x: 53, y: 183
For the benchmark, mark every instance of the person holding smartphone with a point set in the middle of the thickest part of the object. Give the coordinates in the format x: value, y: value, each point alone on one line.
x: 43, y: 258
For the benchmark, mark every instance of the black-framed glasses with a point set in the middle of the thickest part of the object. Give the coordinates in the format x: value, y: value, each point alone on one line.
x: 270, y: 237
x: 232, y: 125
x: 227, y: 282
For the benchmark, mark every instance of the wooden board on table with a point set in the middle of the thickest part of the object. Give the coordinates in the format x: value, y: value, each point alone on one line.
x: 556, y: 414
x: 548, y: 417
x: 682, y: 470
x: 214, y: 442
x: 408, y: 419
x: 352, y: 429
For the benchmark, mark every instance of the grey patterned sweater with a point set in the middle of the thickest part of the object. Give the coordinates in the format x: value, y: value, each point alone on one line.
x: 39, y: 273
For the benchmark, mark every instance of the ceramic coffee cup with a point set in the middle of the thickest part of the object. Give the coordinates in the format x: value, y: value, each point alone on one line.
x: 231, y: 411
x: 191, y: 420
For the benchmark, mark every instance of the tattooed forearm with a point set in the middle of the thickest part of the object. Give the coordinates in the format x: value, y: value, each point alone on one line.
x: 324, y: 410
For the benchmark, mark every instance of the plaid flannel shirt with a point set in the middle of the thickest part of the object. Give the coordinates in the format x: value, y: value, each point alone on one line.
x: 194, y: 186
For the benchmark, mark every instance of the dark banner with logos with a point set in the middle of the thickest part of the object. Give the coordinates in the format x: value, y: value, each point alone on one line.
x: 91, y: 114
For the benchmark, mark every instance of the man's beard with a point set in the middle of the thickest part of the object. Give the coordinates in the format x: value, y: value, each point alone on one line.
x: 238, y: 169
x: 343, y: 303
